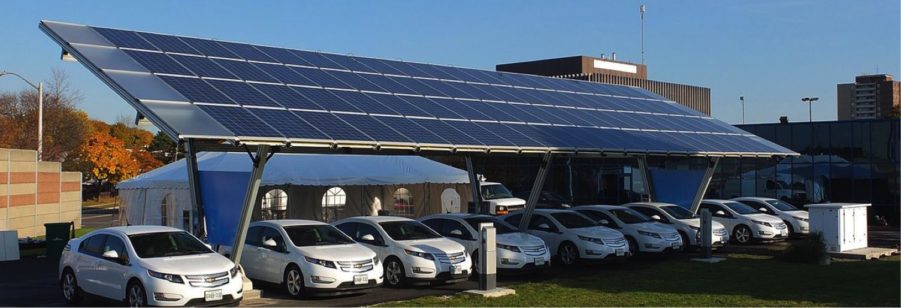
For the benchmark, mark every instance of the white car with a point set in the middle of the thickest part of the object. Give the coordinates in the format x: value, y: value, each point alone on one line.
x: 744, y: 222
x: 148, y: 265
x: 798, y: 220
x: 684, y: 221
x: 515, y: 250
x: 409, y: 250
x: 571, y: 236
x: 643, y: 234
x: 308, y: 256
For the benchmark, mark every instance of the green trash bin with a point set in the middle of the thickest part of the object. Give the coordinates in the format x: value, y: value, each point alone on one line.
x: 58, y: 234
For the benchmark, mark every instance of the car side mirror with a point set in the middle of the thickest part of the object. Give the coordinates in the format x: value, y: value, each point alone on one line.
x: 111, y: 255
x: 655, y: 217
x: 269, y: 243
x: 456, y: 233
x: 543, y: 226
x: 368, y: 238
x: 604, y: 222
x: 720, y: 213
x: 762, y: 209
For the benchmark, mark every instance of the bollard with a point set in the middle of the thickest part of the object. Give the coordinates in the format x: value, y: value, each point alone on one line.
x: 488, y: 257
x: 706, y: 234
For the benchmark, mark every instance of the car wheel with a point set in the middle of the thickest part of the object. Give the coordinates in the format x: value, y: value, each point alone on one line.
x: 475, y: 262
x: 568, y: 254
x: 136, y: 296
x: 742, y: 234
x: 394, y: 273
x: 633, y: 246
x: 791, y: 230
x: 70, y: 289
x: 685, y: 241
x: 294, y: 281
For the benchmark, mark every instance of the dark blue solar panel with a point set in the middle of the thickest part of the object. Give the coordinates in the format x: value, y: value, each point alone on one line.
x: 242, y: 93
x: 364, y: 102
x: 544, y: 97
x: 168, y: 43
x: 380, y: 66
x: 202, y: 66
x: 320, y: 77
x: 501, y: 93
x: 247, y: 52
x: 487, y: 76
x: 483, y: 135
x: 245, y: 70
x: 285, y: 74
x: 433, y: 71
x: 492, y: 111
x: 375, y: 129
x: 601, y: 118
x: 240, y: 121
x: 575, y: 100
x: 456, y: 73
x: 507, y: 132
x: 416, y: 86
x: 122, y: 38
x: 209, y: 48
x: 288, y: 124
x: 574, y: 116
x: 413, y: 131
x: 158, y: 62
x: 333, y: 126
x: 550, y: 135
x: 518, y: 112
x: 446, y: 131
x: 399, y: 105
x: 316, y: 59
x: 283, y: 55
x: 196, y: 90
x: 326, y: 99
x: 464, y: 110
x: 433, y: 106
x: 386, y: 83
x: 355, y: 81
x: 553, y: 115
x: 287, y: 97
x: 448, y: 89
x: 349, y: 63
x: 562, y: 84
x: 408, y: 69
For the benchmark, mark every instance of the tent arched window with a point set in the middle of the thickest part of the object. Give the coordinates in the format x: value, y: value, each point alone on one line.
x: 333, y: 204
x: 274, y: 205
x: 164, y: 210
x: 403, y: 203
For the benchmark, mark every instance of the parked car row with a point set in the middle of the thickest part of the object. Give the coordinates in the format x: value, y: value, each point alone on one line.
x: 162, y: 266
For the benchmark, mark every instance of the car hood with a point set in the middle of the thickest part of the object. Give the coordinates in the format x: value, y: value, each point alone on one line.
x: 764, y: 218
x: 799, y: 214
x: 519, y: 239
x: 201, y: 264
x: 597, y: 232
x: 435, y: 245
x: 653, y: 227
x: 509, y: 201
x: 696, y: 222
x: 347, y: 252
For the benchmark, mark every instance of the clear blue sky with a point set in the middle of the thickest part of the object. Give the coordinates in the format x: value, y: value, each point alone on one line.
x: 771, y: 52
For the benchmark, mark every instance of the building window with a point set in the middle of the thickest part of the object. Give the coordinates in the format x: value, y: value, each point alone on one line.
x: 274, y: 205
x: 333, y: 204
x: 403, y: 203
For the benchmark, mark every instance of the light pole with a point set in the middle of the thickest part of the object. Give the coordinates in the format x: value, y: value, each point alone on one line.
x: 809, y: 101
x: 742, y: 98
x: 40, y: 88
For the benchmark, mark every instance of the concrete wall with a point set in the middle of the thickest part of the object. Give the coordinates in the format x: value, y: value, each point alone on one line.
x: 33, y: 193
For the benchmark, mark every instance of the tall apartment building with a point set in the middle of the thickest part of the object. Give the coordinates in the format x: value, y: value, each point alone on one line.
x: 869, y: 97
x: 610, y: 70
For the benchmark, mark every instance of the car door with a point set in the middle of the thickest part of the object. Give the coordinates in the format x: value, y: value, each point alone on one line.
x: 113, y: 273
x: 725, y: 218
x: 652, y: 212
x: 87, y: 268
x: 250, y: 258
x: 760, y: 206
x: 550, y: 234
x: 273, y: 259
x: 357, y: 231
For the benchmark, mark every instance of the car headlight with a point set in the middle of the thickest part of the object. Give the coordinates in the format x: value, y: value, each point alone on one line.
x: 651, y: 234
x: 508, y: 247
x: 233, y: 271
x: 321, y: 262
x: 802, y: 219
x: 592, y: 239
x: 168, y: 277
x: 424, y: 255
x: 762, y: 223
x: 375, y: 260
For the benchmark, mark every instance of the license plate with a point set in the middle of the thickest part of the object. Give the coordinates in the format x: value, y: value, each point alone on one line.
x: 212, y: 295
x: 620, y: 252
x: 784, y: 233
x: 676, y: 245
x: 456, y: 269
x: 361, y: 279
x: 539, y: 261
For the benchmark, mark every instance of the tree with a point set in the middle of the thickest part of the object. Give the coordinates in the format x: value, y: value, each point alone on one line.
x: 113, y: 153
x: 164, y: 149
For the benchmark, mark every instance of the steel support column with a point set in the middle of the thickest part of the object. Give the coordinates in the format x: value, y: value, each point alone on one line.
x: 253, y: 186
x: 646, y: 177
x: 705, y: 182
x: 537, y: 186
x: 474, y: 186
x: 194, y: 188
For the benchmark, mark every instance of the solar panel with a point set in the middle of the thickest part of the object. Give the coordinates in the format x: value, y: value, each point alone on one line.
x: 268, y: 93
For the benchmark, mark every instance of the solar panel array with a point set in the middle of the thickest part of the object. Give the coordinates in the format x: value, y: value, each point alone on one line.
x: 268, y: 92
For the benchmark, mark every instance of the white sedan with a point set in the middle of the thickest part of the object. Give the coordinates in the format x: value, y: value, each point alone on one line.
x: 147, y: 265
x: 409, y: 250
x: 746, y: 223
x: 515, y: 250
x: 571, y: 236
x: 687, y: 223
x: 643, y: 234
x: 308, y: 256
x: 798, y: 220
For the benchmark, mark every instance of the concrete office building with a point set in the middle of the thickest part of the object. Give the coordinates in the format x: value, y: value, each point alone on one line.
x: 869, y: 97
x: 610, y: 70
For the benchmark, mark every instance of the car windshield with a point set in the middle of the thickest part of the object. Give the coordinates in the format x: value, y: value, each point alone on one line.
x: 573, y: 220
x: 499, y: 227
x: 630, y: 216
x: 316, y: 235
x: 167, y: 244
x: 408, y: 230
x: 678, y: 212
x: 495, y: 191
x: 782, y: 205
x: 741, y: 208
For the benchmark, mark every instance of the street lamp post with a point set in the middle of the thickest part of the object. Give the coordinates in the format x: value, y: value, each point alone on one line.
x: 742, y: 98
x: 40, y: 88
x: 809, y: 101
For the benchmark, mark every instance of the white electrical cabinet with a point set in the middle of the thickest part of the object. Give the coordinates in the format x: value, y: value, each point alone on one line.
x: 843, y: 225
x: 9, y: 245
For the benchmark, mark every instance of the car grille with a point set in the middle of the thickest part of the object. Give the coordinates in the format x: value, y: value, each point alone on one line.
x: 533, y: 250
x: 615, y: 242
x: 720, y: 232
x: 356, y: 266
x: 779, y: 226
x: 208, y: 281
x: 452, y: 258
x: 670, y: 236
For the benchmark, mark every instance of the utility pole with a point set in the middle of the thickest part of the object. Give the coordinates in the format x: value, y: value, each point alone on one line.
x: 642, y: 9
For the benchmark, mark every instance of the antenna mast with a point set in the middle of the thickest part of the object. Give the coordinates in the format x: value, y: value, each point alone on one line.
x: 642, y: 9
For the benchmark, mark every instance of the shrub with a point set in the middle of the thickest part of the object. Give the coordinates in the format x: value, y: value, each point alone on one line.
x: 812, y: 250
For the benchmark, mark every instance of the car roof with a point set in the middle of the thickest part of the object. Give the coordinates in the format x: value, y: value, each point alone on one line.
x: 289, y: 222
x: 457, y: 215
x: 652, y: 204
x: 130, y: 230
x: 752, y: 198
x: 378, y: 219
x: 600, y: 206
x: 716, y: 200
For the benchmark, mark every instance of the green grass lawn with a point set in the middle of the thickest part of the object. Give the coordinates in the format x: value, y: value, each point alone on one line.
x: 742, y: 280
